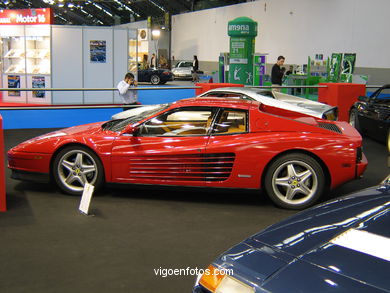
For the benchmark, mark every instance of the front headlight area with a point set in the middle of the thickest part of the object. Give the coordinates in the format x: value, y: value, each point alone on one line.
x: 220, y: 281
x: 331, y: 114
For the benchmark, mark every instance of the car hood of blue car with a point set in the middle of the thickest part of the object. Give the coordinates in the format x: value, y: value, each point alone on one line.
x: 307, y: 244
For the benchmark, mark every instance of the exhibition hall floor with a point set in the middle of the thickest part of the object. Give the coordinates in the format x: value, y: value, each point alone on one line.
x: 48, y: 246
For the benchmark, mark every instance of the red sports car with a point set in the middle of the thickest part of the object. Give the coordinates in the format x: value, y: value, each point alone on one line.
x: 202, y: 142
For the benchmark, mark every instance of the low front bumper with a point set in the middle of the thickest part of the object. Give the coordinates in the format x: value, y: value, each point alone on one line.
x: 29, y: 162
x: 30, y: 176
x: 200, y: 289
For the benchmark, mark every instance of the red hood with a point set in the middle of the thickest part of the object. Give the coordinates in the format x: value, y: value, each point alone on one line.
x: 86, y: 128
x: 47, y: 142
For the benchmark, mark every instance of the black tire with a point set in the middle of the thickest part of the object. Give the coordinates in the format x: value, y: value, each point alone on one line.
x: 297, y: 176
x: 354, y: 119
x: 75, y: 165
x: 155, y: 79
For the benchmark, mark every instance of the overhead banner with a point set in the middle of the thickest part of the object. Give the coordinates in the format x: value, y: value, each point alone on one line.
x: 26, y: 16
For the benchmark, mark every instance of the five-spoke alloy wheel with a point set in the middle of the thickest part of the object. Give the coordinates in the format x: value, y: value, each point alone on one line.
x: 74, y: 166
x: 295, y: 181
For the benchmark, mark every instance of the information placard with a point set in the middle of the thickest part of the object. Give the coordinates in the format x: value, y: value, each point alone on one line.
x: 86, y: 198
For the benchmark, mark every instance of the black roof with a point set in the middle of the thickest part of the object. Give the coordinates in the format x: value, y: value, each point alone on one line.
x: 114, y: 12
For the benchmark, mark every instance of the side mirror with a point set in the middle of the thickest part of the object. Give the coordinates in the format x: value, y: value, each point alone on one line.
x: 363, y: 99
x: 130, y: 129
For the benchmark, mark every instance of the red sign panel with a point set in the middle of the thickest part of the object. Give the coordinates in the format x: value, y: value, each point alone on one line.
x: 26, y: 16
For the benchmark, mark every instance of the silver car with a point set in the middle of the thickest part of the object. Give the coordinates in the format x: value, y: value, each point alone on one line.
x: 277, y: 99
x: 183, y: 70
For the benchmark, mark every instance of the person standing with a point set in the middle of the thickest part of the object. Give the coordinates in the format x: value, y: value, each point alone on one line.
x: 153, y: 61
x: 126, y: 92
x: 195, y: 69
x: 277, y: 73
x: 145, y: 64
x: 163, y: 63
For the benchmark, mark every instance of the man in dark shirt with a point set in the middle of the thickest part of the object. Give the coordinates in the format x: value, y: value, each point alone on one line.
x: 277, y: 73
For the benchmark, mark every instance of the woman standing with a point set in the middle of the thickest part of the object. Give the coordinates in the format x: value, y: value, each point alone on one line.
x: 195, y: 69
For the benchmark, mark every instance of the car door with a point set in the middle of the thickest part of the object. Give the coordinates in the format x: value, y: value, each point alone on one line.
x: 229, y: 150
x: 143, y: 75
x: 167, y: 149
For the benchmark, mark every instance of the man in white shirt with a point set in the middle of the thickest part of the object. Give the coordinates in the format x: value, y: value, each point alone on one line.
x: 128, y: 95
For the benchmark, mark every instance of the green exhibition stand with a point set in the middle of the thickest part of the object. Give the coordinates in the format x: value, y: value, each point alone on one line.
x: 242, y: 32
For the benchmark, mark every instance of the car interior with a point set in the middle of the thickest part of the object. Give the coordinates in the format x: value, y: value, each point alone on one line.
x: 184, y: 123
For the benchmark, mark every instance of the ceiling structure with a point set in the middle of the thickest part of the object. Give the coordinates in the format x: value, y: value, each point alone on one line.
x: 114, y: 12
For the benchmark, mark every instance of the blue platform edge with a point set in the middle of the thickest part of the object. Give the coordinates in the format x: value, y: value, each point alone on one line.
x: 59, y: 118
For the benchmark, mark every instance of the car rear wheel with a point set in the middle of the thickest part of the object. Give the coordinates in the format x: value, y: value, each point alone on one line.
x: 155, y: 79
x: 295, y: 181
x: 74, y: 166
x: 354, y: 119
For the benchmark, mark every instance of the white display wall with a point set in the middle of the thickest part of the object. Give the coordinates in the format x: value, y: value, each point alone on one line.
x: 98, y: 74
x: 72, y: 66
x: 120, y: 66
x: 295, y: 29
x: 67, y: 64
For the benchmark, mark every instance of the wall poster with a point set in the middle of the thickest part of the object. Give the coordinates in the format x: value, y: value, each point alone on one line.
x: 14, y: 83
x: 38, y: 82
x: 97, y: 51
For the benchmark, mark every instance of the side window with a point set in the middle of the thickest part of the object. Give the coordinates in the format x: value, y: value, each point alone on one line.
x: 231, y: 121
x: 225, y: 95
x: 184, y: 122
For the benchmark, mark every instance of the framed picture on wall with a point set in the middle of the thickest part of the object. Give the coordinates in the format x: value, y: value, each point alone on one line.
x: 97, y: 51
x: 14, y: 83
x: 38, y: 82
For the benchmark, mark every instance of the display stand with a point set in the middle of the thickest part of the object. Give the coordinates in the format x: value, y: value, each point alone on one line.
x: 342, y: 95
x: 208, y: 86
x: 3, y: 206
x: 25, y: 54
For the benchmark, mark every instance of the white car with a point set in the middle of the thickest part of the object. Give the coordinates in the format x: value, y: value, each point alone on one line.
x: 135, y: 111
x: 266, y: 97
x: 183, y: 70
x: 277, y: 99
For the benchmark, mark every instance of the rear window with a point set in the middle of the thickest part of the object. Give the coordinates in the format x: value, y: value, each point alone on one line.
x: 185, y: 64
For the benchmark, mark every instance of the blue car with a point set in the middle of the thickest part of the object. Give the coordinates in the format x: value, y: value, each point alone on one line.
x: 339, y: 246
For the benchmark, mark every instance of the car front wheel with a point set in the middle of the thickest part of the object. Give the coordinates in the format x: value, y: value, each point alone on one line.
x: 155, y: 79
x: 74, y: 166
x: 295, y: 181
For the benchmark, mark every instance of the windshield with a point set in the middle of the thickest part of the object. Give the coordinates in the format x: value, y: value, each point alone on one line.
x: 185, y: 64
x: 120, y: 124
x: 384, y: 94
